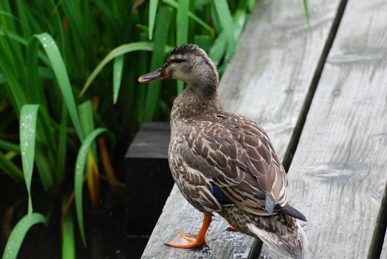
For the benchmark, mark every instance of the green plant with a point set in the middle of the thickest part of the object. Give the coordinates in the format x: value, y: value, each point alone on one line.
x: 57, y: 86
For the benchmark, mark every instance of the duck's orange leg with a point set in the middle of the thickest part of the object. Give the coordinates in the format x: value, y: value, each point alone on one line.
x: 183, y: 240
x: 231, y: 228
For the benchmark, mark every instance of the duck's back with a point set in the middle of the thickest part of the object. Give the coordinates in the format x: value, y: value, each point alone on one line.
x: 236, y: 154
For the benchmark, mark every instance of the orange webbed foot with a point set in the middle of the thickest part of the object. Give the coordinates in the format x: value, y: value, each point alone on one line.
x: 187, y: 240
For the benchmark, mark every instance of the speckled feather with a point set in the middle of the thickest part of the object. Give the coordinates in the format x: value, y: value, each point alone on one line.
x: 209, y: 145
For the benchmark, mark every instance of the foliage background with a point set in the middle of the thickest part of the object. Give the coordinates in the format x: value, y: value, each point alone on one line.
x: 70, y: 102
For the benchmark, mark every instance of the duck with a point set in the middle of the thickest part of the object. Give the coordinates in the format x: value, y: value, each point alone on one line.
x: 223, y: 162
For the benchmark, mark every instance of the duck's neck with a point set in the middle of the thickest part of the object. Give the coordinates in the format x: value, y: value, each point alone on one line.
x: 192, y: 103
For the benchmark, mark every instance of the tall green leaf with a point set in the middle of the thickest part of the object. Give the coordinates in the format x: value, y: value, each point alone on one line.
x: 18, y: 233
x: 306, y: 12
x: 78, y: 177
x: 147, y: 46
x: 60, y: 71
x: 182, y: 31
x: 152, y: 16
x: 68, y: 238
x: 193, y: 17
x: 28, y: 117
x: 117, y: 76
x: 224, y: 16
x: 11, y: 169
x: 61, y: 158
x: 158, y: 56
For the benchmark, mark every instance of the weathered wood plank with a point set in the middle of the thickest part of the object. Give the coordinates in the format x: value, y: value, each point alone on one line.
x: 150, y: 141
x: 384, y: 251
x: 339, y: 171
x: 267, y: 80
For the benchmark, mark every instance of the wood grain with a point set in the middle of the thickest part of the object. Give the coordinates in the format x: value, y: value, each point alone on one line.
x: 339, y: 171
x: 384, y: 251
x: 267, y: 80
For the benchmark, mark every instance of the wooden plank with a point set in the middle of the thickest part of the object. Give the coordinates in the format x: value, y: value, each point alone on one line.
x: 151, y: 141
x: 384, y: 251
x: 339, y: 171
x: 267, y: 80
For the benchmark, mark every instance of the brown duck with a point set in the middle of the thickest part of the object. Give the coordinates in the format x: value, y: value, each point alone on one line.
x: 224, y: 162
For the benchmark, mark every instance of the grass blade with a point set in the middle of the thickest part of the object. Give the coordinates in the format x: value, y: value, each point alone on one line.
x: 9, y: 146
x: 60, y: 71
x: 46, y: 149
x: 182, y: 22
x: 86, y: 114
x: 193, y: 17
x: 68, y: 238
x: 8, y: 67
x: 78, y: 178
x: 158, y: 56
x: 61, y: 158
x: 147, y: 46
x: 28, y: 118
x: 35, y: 88
x: 306, y: 12
x: 18, y: 233
x: 152, y: 16
x: 224, y: 15
x: 11, y: 169
x: 117, y: 76
x: 182, y: 31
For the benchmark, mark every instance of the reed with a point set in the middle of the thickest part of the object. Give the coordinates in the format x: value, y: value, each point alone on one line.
x: 68, y: 75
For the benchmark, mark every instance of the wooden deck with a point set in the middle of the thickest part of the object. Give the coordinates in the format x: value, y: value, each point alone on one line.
x: 321, y: 94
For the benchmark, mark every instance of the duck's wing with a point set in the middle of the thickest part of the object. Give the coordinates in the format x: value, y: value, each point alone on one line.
x: 249, y: 172
x: 192, y: 183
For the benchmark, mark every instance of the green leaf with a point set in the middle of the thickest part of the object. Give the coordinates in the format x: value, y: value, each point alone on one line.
x: 146, y: 46
x: 79, y: 171
x: 60, y: 71
x: 85, y: 110
x: 35, y: 88
x: 28, y: 117
x: 182, y: 31
x: 9, y: 146
x: 193, y: 17
x: 68, y: 238
x: 17, y: 38
x: 224, y: 15
x: 77, y: 16
x: 61, y: 158
x: 117, y: 76
x: 182, y: 22
x: 18, y: 233
x: 13, y: 71
x: 158, y: 58
x: 46, y: 149
x: 11, y: 169
x: 137, y: 46
x: 306, y: 12
x: 218, y: 48
x: 152, y: 16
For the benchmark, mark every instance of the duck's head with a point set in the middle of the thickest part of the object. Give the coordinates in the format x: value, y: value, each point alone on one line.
x: 190, y: 64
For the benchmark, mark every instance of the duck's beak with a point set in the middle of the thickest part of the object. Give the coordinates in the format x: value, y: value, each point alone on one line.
x: 159, y: 74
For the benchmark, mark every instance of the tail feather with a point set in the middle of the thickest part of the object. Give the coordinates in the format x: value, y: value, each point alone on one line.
x: 280, y: 232
x: 289, y: 210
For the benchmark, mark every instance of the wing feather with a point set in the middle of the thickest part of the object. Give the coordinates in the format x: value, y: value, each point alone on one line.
x: 248, y: 170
